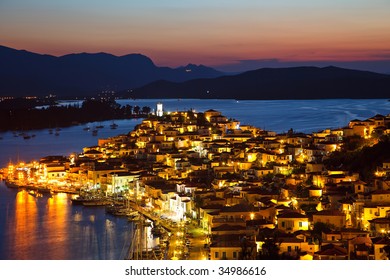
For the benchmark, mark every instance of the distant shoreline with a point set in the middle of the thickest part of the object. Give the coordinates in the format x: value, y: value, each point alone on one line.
x: 19, y: 116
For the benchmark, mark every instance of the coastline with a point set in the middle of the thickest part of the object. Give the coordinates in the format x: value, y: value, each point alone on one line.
x: 103, y: 175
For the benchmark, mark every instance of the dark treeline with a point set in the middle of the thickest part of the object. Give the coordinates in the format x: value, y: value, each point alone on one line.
x: 92, y: 110
x: 363, y: 157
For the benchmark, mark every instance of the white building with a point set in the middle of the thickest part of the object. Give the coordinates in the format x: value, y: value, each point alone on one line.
x: 159, y: 110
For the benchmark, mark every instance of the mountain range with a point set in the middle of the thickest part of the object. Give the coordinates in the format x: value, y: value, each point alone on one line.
x: 278, y: 83
x: 25, y: 73
x: 135, y: 75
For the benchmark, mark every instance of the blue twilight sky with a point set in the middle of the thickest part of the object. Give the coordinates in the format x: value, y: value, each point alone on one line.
x: 231, y: 35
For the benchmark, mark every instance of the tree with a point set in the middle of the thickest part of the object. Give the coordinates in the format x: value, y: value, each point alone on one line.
x: 270, y: 247
x: 387, y: 250
x: 319, y: 228
x: 201, y: 119
x: 146, y: 110
x: 128, y: 110
x: 136, y: 109
x: 302, y: 192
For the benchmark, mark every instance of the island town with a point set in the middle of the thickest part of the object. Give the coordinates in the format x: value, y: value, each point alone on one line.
x: 212, y: 188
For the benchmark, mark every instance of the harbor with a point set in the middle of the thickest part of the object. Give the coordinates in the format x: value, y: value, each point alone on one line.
x: 200, y: 185
x: 152, y: 237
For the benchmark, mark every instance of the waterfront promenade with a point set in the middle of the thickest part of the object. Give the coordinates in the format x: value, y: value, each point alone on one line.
x: 186, y: 241
x: 239, y: 182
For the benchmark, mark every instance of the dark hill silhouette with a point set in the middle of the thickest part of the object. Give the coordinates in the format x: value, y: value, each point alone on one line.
x: 25, y: 73
x: 277, y: 83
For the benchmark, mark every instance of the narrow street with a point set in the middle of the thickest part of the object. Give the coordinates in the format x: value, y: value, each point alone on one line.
x: 186, y: 241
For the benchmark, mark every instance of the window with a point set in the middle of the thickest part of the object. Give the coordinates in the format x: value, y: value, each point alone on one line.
x: 216, y: 255
x: 296, y: 248
x: 224, y: 255
x: 300, y: 224
x: 381, y: 250
x: 234, y: 255
x: 289, y: 248
x: 283, y: 224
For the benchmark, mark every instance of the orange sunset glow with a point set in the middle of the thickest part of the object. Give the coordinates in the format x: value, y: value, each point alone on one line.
x: 214, y: 33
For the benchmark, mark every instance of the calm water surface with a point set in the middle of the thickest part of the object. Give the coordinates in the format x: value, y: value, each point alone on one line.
x: 281, y: 115
x: 52, y: 228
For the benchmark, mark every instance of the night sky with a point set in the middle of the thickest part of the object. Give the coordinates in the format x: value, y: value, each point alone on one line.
x: 227, y: 34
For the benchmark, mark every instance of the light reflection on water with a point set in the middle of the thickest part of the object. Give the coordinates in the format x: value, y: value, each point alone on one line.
x: 51, y: 228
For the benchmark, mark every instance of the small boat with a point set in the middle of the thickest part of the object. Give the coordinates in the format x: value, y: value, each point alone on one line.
x: 94, y: 132
x: 78, y: 200
x: 116, y: 210
x: 96, y: 202
x: 34, y: 193
x: 57, y: 133
x: 132, y: 214
x: 26, y: 136
x: 100, y: 126
x: 43, y: 189
x: 11, y: 184
x: 113, y: 126
x: 134, y: 217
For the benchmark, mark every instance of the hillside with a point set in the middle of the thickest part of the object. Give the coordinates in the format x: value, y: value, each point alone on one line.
x: 277, y: 83
x: 25, y: 73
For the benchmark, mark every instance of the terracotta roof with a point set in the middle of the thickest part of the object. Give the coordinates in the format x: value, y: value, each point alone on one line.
x: 361, y: 240
x: 384, y: 241
x: 226, y: 227
x: 380, y: 192
x: 292, y: 215
x: 332, y: 250
x: 380, y: 221
x: 329, y: 213
x: 232, y: 240
x: 257, y: 222
x: 237, y: 208
x: 282, y: 206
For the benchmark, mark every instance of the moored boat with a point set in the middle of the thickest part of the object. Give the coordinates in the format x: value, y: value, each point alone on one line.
x: 134, y: 217
x: 96, y: 202
x: 113, y: 125
x: 90, y: 201
x: 35, y: 193
x: 11, y: 184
